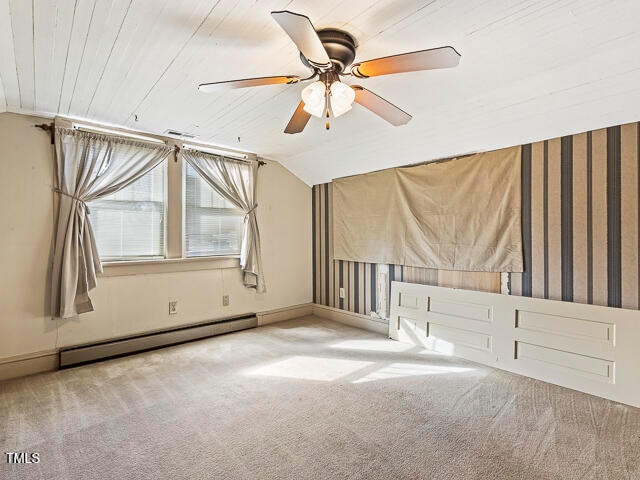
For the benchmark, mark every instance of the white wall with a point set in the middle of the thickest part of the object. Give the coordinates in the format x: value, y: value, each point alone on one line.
x: 134, y: 303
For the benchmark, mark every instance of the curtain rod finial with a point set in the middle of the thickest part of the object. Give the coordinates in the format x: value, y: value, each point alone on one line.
x: 47, y: 127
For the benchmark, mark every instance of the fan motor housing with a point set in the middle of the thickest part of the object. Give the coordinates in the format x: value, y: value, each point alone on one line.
x: 340, y: 46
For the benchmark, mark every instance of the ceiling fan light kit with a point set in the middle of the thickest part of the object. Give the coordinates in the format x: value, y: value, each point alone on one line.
x: 328, y: 93
x: 342, y: 97
x: 314, y: 97
x: 329, y: 53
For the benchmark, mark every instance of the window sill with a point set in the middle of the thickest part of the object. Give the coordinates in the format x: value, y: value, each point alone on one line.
x: 168, y: 265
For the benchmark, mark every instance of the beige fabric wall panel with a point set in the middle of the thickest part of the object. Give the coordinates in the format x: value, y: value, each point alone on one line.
x: 434, y: 215
x: 464, y: 214
x: 365, y: 218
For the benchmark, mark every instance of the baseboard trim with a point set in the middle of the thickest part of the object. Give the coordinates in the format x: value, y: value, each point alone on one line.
x: 46, y: 361
x: 352, y: 319
x: 285, y: 313
x: 28, y: 364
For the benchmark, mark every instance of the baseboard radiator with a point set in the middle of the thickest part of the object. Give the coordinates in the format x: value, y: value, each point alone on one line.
x: 75, y: 355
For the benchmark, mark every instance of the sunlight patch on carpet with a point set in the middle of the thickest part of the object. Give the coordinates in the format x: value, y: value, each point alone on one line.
x: 403, y: 370
x: 373, y: 345
x: 311, y: 368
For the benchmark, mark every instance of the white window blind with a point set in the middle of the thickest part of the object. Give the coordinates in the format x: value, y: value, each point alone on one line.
x: 130, y: 224
x: 212, y: 225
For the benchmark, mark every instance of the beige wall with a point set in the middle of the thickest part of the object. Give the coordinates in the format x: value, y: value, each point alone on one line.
x: 133, y: 303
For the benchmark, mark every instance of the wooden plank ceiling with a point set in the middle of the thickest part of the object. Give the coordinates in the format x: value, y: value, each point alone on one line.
x: 530, y: 70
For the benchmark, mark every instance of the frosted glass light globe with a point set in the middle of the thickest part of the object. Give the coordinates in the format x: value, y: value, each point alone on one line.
x: 314, y: 98
x: 342, y: 97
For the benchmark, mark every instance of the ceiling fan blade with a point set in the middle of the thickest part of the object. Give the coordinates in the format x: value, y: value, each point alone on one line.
x: 443, y: 57
x: 381, y: 107
x: 301, y: 31
x: 246, y: 82
x: 298, y: 120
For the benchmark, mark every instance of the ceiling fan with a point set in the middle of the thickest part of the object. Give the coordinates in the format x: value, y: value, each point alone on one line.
x: 329, y: 53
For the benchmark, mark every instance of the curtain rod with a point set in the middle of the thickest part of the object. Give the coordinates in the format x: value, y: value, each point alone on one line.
x: 241, y: 157
x: 115, y: 133
x: 118, y: 131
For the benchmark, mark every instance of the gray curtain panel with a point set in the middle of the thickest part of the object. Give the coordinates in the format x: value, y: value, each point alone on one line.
x: 89, y: 166
x: 236, y: 181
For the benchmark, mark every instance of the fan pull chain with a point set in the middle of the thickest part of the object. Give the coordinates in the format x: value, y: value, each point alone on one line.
x: 327, y: 125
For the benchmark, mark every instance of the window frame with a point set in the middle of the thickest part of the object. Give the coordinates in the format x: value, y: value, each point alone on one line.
x: 92, y: 208
x: 236, y: 212
x: 174, y: 259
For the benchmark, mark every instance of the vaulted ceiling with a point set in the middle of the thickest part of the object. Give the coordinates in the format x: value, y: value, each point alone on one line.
x: 529, y: 70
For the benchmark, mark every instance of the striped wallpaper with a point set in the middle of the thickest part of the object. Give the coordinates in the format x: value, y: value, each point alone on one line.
x: 580, y: 218
x: 580, y: 221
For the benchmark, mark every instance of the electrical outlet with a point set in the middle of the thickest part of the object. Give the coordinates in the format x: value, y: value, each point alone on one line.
x: 173, y: 307
x: 341, y: 292
x: 225, y: 300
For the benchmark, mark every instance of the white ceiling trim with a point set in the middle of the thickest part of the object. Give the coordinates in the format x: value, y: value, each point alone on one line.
x: 25, y: 111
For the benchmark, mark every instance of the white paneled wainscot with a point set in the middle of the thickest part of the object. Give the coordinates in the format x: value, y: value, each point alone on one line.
x: 584, y: 347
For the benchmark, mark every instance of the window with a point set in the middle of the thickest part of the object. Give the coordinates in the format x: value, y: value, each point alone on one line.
x: 170, y: 213
x: 130, y: 224
x: 212, y: 225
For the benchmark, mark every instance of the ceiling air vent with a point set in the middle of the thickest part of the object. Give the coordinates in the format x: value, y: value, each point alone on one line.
x: 175, y: 133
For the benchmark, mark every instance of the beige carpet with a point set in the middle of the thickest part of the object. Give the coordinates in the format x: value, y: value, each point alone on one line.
x: 309, y: 399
